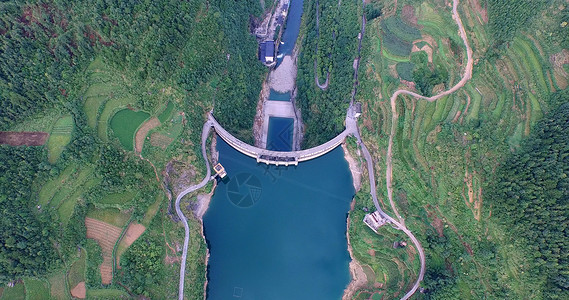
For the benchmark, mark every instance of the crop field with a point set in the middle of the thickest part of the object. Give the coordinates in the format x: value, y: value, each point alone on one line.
x: 118, y: 198
x: 106, y: 294
x: 113, y: 216
x: 63, y: 192
x: 18, y: 292
x: 106, y: 236
x: 59, y: 137
x: 76, y: 272
x: 443, y: 152
x: 36, y: 289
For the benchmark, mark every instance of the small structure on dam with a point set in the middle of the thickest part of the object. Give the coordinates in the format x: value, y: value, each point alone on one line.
x: 220, y: 171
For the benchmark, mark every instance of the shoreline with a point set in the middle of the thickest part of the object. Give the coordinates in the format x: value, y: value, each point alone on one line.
x: 359, y: 278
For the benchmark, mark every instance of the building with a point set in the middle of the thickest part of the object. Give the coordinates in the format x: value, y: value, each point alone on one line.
x: 357, y: 109
x: 267, y: 52
x: 374, y: 220
x: 220, y: 171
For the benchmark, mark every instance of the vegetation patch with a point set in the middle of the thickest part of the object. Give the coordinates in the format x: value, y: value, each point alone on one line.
x: 112, y: 216
x: 17, y: 292
x: 58, y: 288
x: 133, y: 232
x: 107, y: 294
x: 106, y: 236
x: 59, y: 137
x: 124, y: 124
x: 36, y: 289
x: 76, y: 272
x: 117, y: 198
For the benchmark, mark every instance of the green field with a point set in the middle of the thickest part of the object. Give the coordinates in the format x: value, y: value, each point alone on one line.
x: 124, y: 125
x: 112, y: 216
x: 63, y: 192
x: 106, y: 294
x: 59, y: 137
x: 166, y: 114
x: 117, y: 198
x: 58, y: 287
x: 76, y: 273
x: 36, y: 289
x: 18, y: 292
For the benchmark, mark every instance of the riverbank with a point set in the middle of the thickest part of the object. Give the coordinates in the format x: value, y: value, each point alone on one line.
x: 359, y: 278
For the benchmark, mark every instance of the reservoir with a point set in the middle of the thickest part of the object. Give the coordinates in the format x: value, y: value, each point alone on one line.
x: 279, y: 232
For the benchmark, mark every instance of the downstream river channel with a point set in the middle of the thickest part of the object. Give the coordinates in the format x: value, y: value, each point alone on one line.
x: 279, y: 232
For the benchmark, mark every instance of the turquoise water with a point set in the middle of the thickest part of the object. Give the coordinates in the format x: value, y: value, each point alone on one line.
x: 280, y: 133
x: 279, y: 233
x: 276, y: 96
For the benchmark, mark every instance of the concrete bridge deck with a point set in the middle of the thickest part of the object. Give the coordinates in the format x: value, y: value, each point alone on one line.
x: 283, y: 158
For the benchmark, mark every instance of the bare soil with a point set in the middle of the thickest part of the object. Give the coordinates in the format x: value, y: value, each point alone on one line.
x: 106, y: 236
x: 133, y: 232
x: 408, y: 15
x: 79, y: 291
x: 23, y: 138
x: 143, y: 132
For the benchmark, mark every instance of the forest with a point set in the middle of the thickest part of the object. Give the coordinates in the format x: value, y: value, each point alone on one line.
x: 323, y: 111
x: 54, y: 53
x: 530, y: 195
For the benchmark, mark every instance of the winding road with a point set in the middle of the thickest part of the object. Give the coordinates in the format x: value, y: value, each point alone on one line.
x: 351, y: 128
x: 205, y: 133
x: 389, y: 158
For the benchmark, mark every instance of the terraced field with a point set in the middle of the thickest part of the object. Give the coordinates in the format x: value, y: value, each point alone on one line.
x: 445, y: 152
x: 59, y: 137
x: 106, y: 236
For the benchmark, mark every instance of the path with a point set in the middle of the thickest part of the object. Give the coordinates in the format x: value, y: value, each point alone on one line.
x: 389, y: 158
x: 316, y: 80
x: 205, y: 133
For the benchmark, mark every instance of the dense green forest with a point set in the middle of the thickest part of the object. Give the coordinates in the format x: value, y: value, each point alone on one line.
x: 55, y: 57
x: 531, y: 197
x: 26, y: 238
x: 323, y: 112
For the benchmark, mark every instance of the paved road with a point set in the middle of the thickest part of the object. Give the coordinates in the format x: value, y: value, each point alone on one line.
x: 205, y: 133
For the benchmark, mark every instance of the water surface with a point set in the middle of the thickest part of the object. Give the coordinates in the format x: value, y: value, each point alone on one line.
x: 292, y: 28
x: 276, y: 96
x: 280, y: 134
x: 279, y: 232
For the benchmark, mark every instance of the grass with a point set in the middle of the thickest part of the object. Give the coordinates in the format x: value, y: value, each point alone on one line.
x: 66, y: 209
x: 59, y: 138
x: 36, y: 289
x: 405, y: 70
x: 50, y: 188
x: 152, y: 210
x: 43, y: 121
x: 77, y: 271
x: 166, y: 114
x: 111, y: 216
x: 118, y: 198
x: 403, y: 31
x: 109, y: 110
x: 110, y: 294
x: 58, y: 288
x: 18, y: 292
